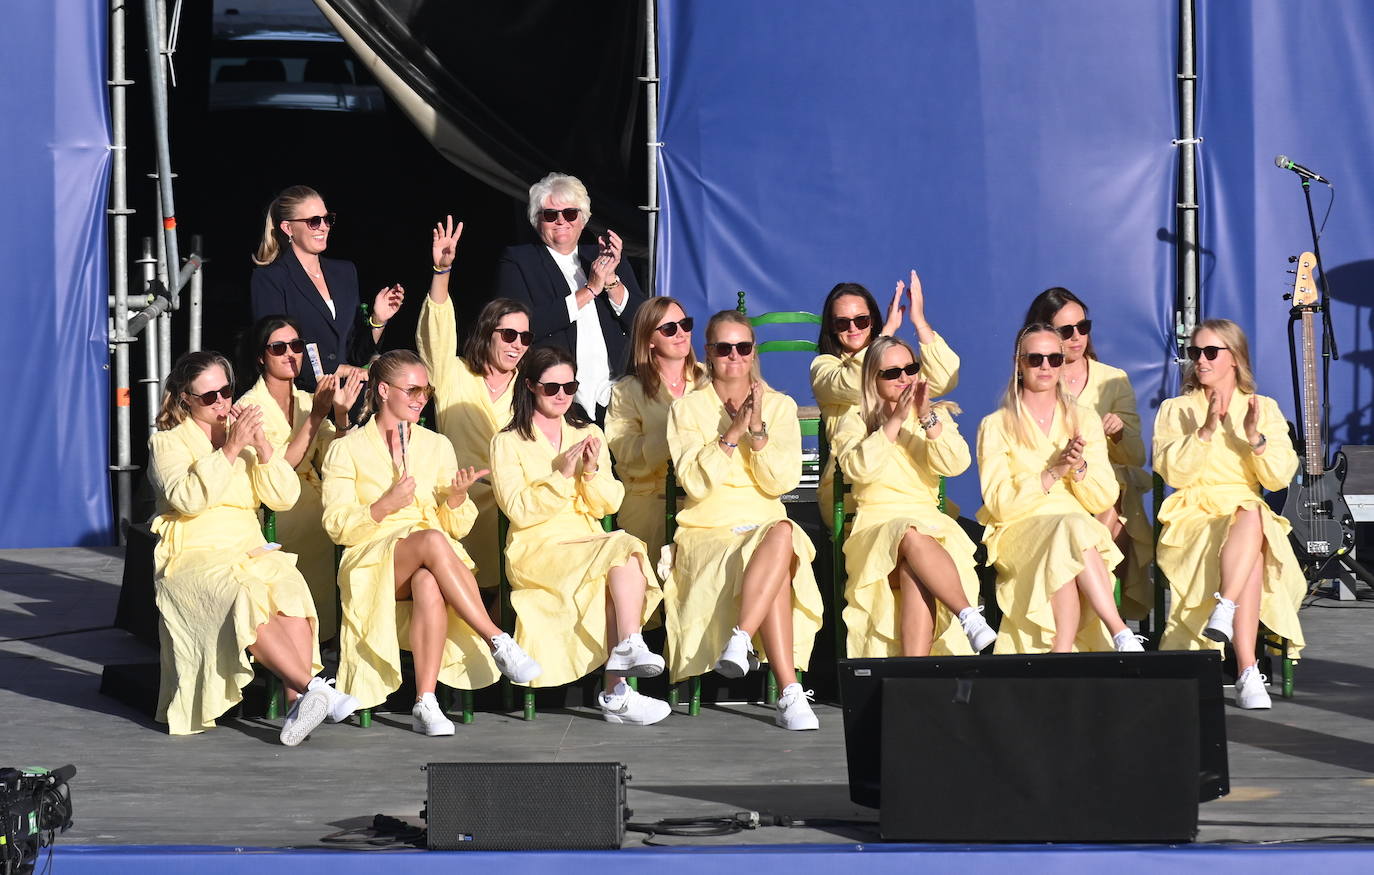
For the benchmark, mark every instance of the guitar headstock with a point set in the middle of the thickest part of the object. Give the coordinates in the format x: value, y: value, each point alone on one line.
x: 1304, y: 289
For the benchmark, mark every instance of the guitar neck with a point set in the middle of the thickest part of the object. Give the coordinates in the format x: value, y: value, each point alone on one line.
x: 1311, y: 403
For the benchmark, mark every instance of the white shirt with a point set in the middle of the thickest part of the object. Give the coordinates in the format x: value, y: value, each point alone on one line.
x: 593, y: 362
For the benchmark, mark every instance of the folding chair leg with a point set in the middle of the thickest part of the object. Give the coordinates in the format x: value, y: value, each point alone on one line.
x: 770, y: 693
x: 465, y: 698
x: 365, y: 718
x: 276, y: 697
x: 694, y: 705
x: 529, y: 705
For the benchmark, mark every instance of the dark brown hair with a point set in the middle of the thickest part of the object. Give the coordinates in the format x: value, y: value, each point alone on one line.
x: 1051, y: 301
x: 532, y: 367
x: 477, y: 350
x: 828, y: 343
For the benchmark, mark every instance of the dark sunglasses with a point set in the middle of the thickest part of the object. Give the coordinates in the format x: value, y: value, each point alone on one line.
x: 841, y: 323
x: 552, y: 389
x: 510, y: 334
x: 415, y: 393
x: 722, y: 350
x: 208, y: 398
x: 910, y: 370
x: 314, y: 222
x: 569, y: 214
x: 1196, y: 352
x: 668, y: 329
x: 280, y: 347
x: 1084, y: 326
x: 1036, y: 359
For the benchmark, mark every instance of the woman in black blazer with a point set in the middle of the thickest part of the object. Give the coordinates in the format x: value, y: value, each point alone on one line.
x: 321, y: 294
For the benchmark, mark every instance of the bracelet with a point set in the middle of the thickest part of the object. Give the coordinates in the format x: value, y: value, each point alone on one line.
x: 761, y: 434
x: 722, y: 440
x: 611, y: 283
x: 930, y: 421
x: 442, y: 270
x: 587, y: 475
x: 371, y: 324
x: 1259, y: 444
x: 1081, y: 470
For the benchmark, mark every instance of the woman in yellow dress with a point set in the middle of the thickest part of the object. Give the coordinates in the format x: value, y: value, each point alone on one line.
x: 580, y: 594
x: 221, y: 589
x: 910, y: 567
x: 298, y: 426
x: 663, y: 368
x: 740, y: 570
x: 1042, y: 462
x: 1217, y: 444
x: 472, y: 392
x: 849, y: 324
x: 1107, y: 391
x: 395, y: 497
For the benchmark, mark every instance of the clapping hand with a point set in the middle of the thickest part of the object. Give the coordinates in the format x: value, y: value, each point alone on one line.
x: 243, y: 420
x: 348, y: 384
x: 387, y: 302
x: 591, y: 452
x: 325, y: 391
x: 1251, y: 421
x: 1214, y: 414
x: 565, y: 462
x: 896, y: 310
x: 1070, y: 458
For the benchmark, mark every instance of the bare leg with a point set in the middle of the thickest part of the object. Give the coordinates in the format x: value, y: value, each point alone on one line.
x: 430, y: 549
x: 428, y: 628
x: 624, y: 606
x: 276, y: 650
x: 918, y: 613
x: 1095, y: 583
x: 1111, y: 518
x: 1241, y: 553
x: 1245, y: 631
x: 776, y: 632
x: 934, y: 568
x: 1064, y: 605
x: 769, y: 569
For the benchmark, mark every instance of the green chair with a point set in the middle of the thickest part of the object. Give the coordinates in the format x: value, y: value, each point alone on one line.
x: 672, y: 492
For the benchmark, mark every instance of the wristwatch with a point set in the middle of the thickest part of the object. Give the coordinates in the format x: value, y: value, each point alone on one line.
x: 759, y: 435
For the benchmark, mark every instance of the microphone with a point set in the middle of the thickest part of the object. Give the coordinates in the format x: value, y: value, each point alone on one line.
x: 1285, y: 163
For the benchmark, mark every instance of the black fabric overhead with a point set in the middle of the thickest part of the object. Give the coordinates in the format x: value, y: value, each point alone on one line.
x: 530, y: 87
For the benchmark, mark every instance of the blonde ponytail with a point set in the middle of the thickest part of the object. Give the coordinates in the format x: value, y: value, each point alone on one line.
x: 281, y: 208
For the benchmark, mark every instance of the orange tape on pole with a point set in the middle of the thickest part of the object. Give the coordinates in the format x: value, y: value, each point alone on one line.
x: 122, y: 396
x: 169, y: 223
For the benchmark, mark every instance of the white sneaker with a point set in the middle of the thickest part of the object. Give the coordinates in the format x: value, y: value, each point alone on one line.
x: 1219, y: 624
x: 308, y: 711
x: 1250, y: 691
x: 629, y: 707
x: 738, y: 658
x: 1127, y: 641
x: 428, y: 718
x: 633, y: 658
x: 513, y: 661
x: 794, y: 709
x: 979, y: 633
x: 341, y: 704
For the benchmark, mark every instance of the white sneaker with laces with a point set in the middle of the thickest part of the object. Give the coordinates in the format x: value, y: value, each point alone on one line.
x: 1127, y: 641
x: 794, y: 709
x: 1250, y: 692
x: 633, y: 658
x: 738, y: 658
x: 428, y: 718
x: 980, y: 634
x: 341, y: 704
x: 627, y: 706
x: 517, y: 665
x: 1220, y: 623
x: 308, y: 711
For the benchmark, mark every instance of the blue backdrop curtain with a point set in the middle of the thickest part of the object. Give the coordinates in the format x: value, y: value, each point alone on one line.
x: 54, y: 172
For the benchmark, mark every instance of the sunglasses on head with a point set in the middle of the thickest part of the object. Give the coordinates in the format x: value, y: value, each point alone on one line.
x: 314, y: 222
x: 569, y: 214
x: 1084, y: 326
x: 1036, y: 359
x: 1195, y: 352
x: 279, y: 347
x: 910, y: 370
x: 668, y: 329
x: 552, y: 389
x: 841, y: 323
x: 415, y: 393
x: 510, y: 334
x: 208, y: 398
x: 722, y: 350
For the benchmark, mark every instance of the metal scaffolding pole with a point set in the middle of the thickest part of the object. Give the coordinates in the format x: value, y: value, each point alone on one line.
x: 119, y: 213
x: 650, y: 80
x: 151, y: 381
x: 154, y: 16
x: 164, y: 319
x: 197, y: 295
x: 1186, y: 313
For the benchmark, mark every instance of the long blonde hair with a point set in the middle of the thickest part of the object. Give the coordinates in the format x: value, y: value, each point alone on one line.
x: 174, y: 409
x: 737, y: 318
x: 871, y: 403
x: 384, y: 369
x: 1234, y: 338
x: 1013, y: 413
x: 642, y: 366
x: 281, y: 208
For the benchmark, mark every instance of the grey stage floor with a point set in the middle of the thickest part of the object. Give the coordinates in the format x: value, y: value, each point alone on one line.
x: 1304, y: 770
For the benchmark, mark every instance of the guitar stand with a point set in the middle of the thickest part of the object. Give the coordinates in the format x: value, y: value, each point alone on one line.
x: 1346, y: 574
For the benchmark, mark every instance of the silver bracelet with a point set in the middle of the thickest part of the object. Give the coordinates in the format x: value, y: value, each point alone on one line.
x: 930, y: 421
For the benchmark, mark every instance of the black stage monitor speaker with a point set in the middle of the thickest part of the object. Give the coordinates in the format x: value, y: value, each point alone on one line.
x: 525, y: 806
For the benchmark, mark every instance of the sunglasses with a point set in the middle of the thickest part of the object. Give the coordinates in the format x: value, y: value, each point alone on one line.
x: 841, y: 323
x: 910, y: 370
x: 569, y: 214
x: 552, y: 389
x: 722, y: 350
x: 314, y: 222
x: 1196, y: 352
x: 1036, y: 359
x: 415, y: 393
x: 1084, y: 326
x: 668, y: 329
x: 208, y: 398
x: 280, y: 347
x: 510, y: 334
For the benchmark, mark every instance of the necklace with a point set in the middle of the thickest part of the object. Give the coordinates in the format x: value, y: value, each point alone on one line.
x: 495, y: 391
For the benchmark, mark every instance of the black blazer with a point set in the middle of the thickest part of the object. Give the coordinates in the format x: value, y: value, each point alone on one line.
x: 528, y: 273
x: 283, y: 287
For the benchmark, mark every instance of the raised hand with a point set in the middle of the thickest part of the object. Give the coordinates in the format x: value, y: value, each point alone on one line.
x: 444, y: 243
x: 387, y: 302
x: 916, y: 304
x: 896, y: 311
x: 347, y: 386
x: 463, y: 479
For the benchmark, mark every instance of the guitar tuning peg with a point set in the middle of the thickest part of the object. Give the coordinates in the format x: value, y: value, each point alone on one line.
x: 1288, y: 297
x: 1291, y: 259
x: 1294, y: 272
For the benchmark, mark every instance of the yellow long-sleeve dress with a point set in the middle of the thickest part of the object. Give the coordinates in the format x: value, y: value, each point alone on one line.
x: 637, y: 431
x: 1213, y: 480
x: 1108, y: 390
x: 558, y: 557
x: 375, y: 627
x: 469, y: 418
x: 836, y: 383
x: 896, y: 485
x: 300, y: 529
x: 1036, y: 539
x: 732, y: 502
x: 211, y: 594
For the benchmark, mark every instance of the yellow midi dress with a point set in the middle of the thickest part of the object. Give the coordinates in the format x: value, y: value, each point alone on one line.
x: 300, y: 529
x: 896, y: 485
x: 1036, y: 539
x: 637, y: 431
x: 732, y: 502
x: 1213, y: 480
x: 469, y: 418
x: 1108, y: 390
x: 375, y: 627
x: 836, y: 383
x: 211, y: 594
x: 558, y: 557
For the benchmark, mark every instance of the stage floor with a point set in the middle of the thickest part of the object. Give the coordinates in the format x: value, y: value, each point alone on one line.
x: 1301, y: 772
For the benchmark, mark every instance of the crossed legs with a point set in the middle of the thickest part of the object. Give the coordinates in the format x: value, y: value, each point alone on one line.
x: 925, y: 574
x: 766, y: 600
x: 1094, y: 583
x: 1242, y: 570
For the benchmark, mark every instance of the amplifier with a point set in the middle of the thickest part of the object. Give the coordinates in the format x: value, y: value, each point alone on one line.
x: 525, y: 806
